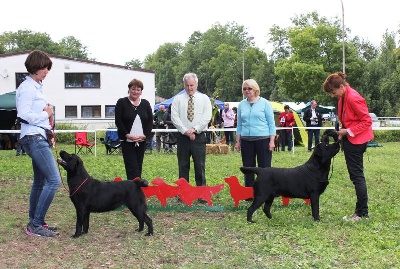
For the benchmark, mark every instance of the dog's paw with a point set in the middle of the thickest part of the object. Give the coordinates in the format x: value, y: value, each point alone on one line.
x: 250, y: 221
x: 149, y: 234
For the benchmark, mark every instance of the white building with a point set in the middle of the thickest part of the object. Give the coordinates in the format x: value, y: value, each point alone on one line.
x: 82, y: 91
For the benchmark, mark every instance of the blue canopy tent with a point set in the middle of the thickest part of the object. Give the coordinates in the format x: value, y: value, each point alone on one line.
x: 168, y: 102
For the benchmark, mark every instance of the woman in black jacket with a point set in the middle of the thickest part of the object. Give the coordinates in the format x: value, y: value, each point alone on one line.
x: 134, y: 120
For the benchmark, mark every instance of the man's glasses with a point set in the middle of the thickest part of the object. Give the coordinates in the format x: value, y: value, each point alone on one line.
x: 247, y: 89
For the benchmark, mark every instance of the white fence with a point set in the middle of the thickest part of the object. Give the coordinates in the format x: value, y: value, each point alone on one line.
x: 209, y: 130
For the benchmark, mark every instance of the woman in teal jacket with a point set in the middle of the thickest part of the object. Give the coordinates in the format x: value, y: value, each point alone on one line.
x: 256, y: 129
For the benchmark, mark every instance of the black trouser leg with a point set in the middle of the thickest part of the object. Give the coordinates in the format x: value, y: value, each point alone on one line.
x: 355, y: 166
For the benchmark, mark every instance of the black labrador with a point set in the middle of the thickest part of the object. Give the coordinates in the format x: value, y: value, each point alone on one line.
x: 91, y: 195
x: 305, y: 181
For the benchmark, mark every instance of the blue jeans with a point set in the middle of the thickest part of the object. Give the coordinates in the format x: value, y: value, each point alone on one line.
x: 46, y: 177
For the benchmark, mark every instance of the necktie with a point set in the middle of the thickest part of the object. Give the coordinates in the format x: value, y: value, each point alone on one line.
x: 190, y: 110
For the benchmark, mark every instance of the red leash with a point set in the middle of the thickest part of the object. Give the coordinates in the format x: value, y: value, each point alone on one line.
x: 79, y: 187
x: 56, y: 149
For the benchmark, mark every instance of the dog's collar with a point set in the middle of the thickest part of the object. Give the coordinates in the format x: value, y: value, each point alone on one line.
x: 301, y: 168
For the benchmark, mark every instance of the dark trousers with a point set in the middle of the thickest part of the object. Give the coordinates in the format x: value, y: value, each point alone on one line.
x: 286, y: 139
x: 133, y: 158
x: 311, y: 133
x: 355, y: 166
x: 229, y: 139
x: 252, y: 150
x: 160, y: 140
x: 196, y: 149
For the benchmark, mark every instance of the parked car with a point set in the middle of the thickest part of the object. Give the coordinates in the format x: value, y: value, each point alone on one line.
x: 326, y: 116
x: 375, y: 120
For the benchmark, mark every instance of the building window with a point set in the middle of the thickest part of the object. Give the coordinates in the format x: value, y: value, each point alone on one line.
x: 82, y: 80
x: 110, y: 111
x: 91, y: 111
x: 71, y: 111
x: 19, y: 78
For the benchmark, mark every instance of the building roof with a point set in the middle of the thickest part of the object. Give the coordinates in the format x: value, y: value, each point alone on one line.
x: 79, y: 60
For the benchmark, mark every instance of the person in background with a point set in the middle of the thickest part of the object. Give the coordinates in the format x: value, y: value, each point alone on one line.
x: 159, y: 123
x: 256, y: 129
x: 355, y: 132
x: 35, y: 114
x: 191, y: 113
x: 228, y: 117
x: 134, y: 121
x: 286, y: 119
x: 313, y: 118
x: 216, y: 122
x: 171, y: 137
x: 235, y: 120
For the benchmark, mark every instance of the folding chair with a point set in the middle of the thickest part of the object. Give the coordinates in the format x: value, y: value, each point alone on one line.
x: 82, y: 145
x: 112, y: 142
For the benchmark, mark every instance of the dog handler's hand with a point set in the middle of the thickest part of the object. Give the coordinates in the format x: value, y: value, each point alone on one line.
x: 341, y: 133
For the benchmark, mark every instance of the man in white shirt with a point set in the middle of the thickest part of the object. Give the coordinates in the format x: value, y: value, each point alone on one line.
x: 313, y: 119
x: 191, y: 140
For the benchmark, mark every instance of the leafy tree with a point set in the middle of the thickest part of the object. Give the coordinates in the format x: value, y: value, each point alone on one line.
x: 134, y: 63
x: 164, y: 61
x: 315, y: 51
x: 27, y: 40
x: 24, y: 40
x: 71, y: 47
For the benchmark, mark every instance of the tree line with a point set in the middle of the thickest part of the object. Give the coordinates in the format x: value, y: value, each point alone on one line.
x: 302, y: 56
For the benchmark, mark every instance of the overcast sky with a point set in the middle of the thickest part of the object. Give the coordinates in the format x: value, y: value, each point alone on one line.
x: 119, y: 31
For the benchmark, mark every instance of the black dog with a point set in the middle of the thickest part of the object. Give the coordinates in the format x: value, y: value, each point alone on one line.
x: 91, y: 195
x: 305, y: 181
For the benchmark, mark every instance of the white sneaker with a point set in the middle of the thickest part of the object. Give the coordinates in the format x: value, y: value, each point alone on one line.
x: 353, y: 218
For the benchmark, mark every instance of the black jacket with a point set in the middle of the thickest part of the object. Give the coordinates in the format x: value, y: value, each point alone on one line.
x: 307, y: 118
x: 125, y: 114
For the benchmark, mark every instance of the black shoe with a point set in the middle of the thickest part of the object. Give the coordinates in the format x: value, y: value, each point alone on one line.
x: 202, y: 201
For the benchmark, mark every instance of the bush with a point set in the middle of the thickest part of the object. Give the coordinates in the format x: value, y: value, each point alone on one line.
x: 387, y: 136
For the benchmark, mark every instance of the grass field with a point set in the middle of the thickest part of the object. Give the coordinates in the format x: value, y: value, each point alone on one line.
x: 202, y: 237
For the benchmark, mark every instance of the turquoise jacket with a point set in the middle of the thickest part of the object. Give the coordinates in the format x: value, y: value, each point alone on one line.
x: 256, y: 119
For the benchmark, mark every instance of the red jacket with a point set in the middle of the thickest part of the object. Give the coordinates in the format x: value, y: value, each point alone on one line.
x: 354, y: 116
x: 286, y: 120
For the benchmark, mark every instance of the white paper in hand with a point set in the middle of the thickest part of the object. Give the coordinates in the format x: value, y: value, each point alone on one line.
x: 137, y: 129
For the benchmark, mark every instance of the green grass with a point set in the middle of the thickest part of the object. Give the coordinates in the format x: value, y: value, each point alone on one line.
x: 209, y: 239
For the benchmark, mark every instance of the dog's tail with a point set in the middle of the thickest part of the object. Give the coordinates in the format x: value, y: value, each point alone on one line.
x: 250, y: 170
x: 141, y: 182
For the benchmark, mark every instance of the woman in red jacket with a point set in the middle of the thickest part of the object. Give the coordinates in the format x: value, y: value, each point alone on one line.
x: 355, y: 132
